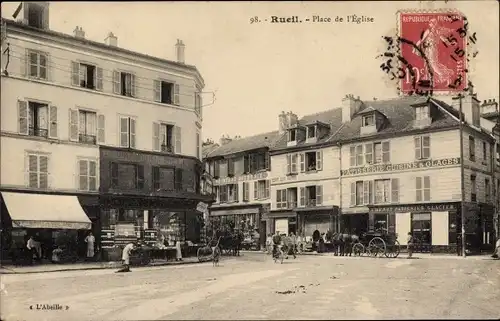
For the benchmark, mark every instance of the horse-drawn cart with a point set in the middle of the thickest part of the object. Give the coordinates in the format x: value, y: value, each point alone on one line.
x: 208, y: 252
x: 377, y: 244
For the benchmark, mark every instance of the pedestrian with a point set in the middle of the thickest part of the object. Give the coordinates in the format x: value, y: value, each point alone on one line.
x: 496, y: 252
x: 127, y: 251
x: 178, y: 254
x: 90, y: 240
x: 276, y: 242
x: 32, y: 248
x: 410, y: 245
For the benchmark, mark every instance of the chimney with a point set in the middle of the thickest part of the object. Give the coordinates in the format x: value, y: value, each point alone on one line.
x: 78, y: 32
x: 350, y: 106
x: 489, y: 106
x: 471, y: 107
x: 179, y: 49
x: 291, y: 119
x: 282, y: 123
x: 111, y: 40
x: 224, y: 140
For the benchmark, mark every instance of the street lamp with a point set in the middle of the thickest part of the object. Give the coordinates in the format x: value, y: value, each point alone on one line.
x: 462, y: 183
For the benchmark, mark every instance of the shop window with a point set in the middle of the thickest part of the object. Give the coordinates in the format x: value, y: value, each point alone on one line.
x: 421, y: 231
x: 171, y: 226
x: 381, y: 223
x: 452, y: 228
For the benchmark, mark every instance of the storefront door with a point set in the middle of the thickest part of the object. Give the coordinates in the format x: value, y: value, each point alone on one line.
x: 421, y: 231
x: 281, y: 225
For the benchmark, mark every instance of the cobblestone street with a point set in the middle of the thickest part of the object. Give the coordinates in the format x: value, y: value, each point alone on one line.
x: 253, y: 287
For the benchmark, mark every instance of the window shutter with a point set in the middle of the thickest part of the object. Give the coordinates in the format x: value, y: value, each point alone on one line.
x: 22, y: 107
x: 43, y: 171
x: 250, y: 163
x: 25, y: 64
x: 156, y: 136
x: 352, y: 151
x: 156, y: 178
x: 92, y: 175
x: 98, y: 78
x: 84, y: 175
x: 267, y: 161
x: 369, y: 153
x: 178, y: 179
x: 132, y: 133
x: 114, y: 175
x: 75, y: 73
x: 176, y: 94
x: 157, y: 90
x: 116, y: 82
x: 53, y: 122
x: 302, y: 162
x: 395, y: 190
x: 288, y: 164
x: 140, y: 177
x: 418, y: 189
x: 268, y: 189
x: 245, y: 192
x: 353, y: 194
x: 386, y: 152
x: 302, y: 196
x: 319, y: 160
x: 32, y: 171
x: 132, y: 85
x: 426, y: 146
x: 366, y: 192
x: 73, y: 125
x: 124, y: 132
x: 246, y: 164
x: 236, y: 194
x: 178, y: 140
x: 418, y: 149
x: 371, y: 197
x: 319, y: 195
x: 100, y: 129
x: 426, y: 190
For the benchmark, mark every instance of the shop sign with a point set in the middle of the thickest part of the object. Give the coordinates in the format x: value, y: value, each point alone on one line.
x: 379, y: 168
x: 414, y: 208
x: 282, y: 179
x: 241, y: 178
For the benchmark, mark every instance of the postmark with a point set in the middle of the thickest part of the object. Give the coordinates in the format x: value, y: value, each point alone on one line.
x: 431, y: 53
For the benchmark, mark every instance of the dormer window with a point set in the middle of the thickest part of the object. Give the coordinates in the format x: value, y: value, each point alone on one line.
x: 35, y: 16
x: 422, y: 113
x: 292, y: 135
x: 311, y: 132
x: 368, y: 120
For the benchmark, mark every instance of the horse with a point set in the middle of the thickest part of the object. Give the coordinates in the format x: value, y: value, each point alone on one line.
x: 343, y: 243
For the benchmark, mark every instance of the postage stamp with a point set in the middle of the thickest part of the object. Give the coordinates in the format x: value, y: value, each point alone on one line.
x: 433, y: 51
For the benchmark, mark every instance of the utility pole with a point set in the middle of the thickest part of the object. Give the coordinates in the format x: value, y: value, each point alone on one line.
x: 462, y: 178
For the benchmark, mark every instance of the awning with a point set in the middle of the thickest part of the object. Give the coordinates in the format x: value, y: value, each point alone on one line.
x: 281, y: 214
x: 236, y: 211
x: 46, y: 211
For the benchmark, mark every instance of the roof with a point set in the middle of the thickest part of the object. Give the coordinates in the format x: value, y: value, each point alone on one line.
x: 247, y: 144
x: 207, y: 149
x: 101, y: 45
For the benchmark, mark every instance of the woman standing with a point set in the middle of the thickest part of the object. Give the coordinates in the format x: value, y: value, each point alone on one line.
x: 90, y: 240
x: 178, y: 254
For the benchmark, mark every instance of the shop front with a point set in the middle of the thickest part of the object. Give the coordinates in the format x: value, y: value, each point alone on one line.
x: 282, y: 221
x: 320, y: 219
x: 54, y: 225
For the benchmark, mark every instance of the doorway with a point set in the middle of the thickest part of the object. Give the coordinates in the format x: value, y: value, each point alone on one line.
x: 422, y: 233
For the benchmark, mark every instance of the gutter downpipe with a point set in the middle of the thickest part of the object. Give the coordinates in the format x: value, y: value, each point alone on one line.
x: 462, y: 178
x: 339, y: 145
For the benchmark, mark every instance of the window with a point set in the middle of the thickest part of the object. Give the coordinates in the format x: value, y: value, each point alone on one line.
x: 422, y: 113
x: 485, y: 151
x: 381, y: 223
x: 87, y: 127
x: 35, y: 15
x: 261, y: 190
x: 163, y: 178
x: 422, y: 147
x: 359, y: 155
x: 473, y: 188
x: 127, y: 176
x: 382, y: 191
x: 311, y: 131
x: 166, y: 92
x: 359, y: 193
x: 37, y: 65
x: 281, y: 198
x: 291, y: 197
x: 256, y: 162
x: 38, y: 119
x: 292, y: 135
x: 167, y: 138
x: 246, y: 191
x: 375, y: 153
x: 291, y: 163
x: 421, y: 230
x: 87, y: 175
x: 232, y: 193
x: 311, y: 196
x: 124, y: 83
x: 472, y: 149
x: 311, y: 161
x: 86, y: 75
x: 423, y: 189
x: 127, y: 132
x: 487, y: 190
x: 197, y: 104
x: 38, y: 173
x: 368, y: 120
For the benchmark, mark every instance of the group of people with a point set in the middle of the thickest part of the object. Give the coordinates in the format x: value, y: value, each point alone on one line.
x: 281, y: 242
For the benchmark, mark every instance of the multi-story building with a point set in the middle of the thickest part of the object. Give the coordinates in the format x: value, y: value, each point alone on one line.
x: 240, y: 168
x: 305, y: 174
x: 118, y: 129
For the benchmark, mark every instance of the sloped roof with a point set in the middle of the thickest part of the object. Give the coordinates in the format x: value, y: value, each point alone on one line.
x: 207, y: 149
x: 246, y: 144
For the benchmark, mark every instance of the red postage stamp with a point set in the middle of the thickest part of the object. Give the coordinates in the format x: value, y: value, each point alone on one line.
x: 433, y: 51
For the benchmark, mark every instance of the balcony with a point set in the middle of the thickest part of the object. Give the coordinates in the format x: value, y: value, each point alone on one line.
x: 311, y: 203
x: 40, y: 132
x: 167, y: 148
x: 87, y: 139
x: 291, y: 205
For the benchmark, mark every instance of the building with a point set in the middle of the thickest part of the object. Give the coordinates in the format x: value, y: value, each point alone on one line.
x: 117, y: 129
x: 305, y: 174
x: 240, y: 168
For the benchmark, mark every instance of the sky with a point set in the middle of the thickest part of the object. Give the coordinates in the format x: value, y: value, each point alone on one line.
x: 258, y: 70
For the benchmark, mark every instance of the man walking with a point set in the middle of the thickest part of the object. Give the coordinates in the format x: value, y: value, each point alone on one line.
x: 276, y: 242
x: 410, y: 245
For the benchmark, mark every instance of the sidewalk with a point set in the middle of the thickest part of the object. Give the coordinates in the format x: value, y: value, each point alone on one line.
x: 45, y: 268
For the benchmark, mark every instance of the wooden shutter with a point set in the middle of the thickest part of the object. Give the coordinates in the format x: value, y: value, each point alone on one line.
x: 371, y: 193
x: 418, y: 148
x: 230, y: 167
x: 302, y: 196
x: 251, y: 164
x: 178, y: 139
x: 178, y: 179
x: 267, y: 164
x: 246, y: 164
x: 236, y: 194
x: 114, y: 175
x: 366, y: 192
x: 25, y: 64
x: 98, y: 78
x: 386, y: 152
x: 245, y: 192
x: 392, y: 223
x: 156, y: 136
x: 75, y: 73
x: 216, y: 169
x: 288, y: 164
x: 157, y: 90
x: 83, y: 173
x: 352, y: 156
x: 418, y: 189
x: 117, y: 82
x: 43, y: 171
x: 53, y: 122
x: 369, y: 153
x: 319, y: 160
x: 132, y: 85
x: 132, y: 133
x: 319, y: 195
x: 73, y: 125
x: 140, y: 177
x: 268, y: 189
x: 22, y: 107
x: 353, y: 194
x: 32, y: 171
x: 302, y: 162
x: 395, y: 190
x: 124, y: 132
x: 256, y: 190
x: 426, y: 146
x: 426, y: 195
x: 101, y: 136
x: 176, y: 94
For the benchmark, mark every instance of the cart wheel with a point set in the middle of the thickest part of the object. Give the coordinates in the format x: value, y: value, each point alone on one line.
x: 358, y: 249
x: 393, y: 250
x: 376, y: 247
